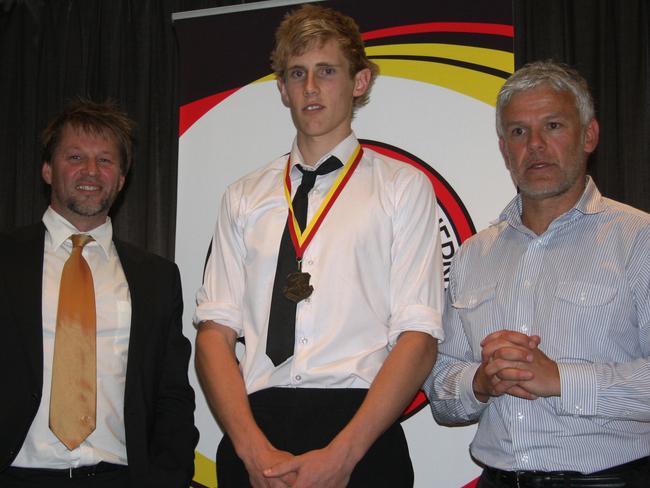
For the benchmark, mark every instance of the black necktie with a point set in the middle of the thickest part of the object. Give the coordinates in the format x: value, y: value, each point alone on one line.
x: 282, y: 318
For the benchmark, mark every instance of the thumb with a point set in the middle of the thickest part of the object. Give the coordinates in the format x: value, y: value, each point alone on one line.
x: 280, y: 469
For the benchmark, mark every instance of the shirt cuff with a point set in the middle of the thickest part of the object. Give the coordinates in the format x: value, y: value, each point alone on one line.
x: 471, y: 404
x: 418, y: 318
x: 578, y: 389
x: 221, y: 313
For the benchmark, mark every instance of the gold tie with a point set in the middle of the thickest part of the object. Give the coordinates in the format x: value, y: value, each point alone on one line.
x: 73, y: 396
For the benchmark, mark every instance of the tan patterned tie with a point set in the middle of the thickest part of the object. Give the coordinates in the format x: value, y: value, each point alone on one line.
x: 73, y: 397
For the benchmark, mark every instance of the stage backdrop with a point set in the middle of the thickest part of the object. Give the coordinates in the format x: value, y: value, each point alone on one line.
x: 441, y: 63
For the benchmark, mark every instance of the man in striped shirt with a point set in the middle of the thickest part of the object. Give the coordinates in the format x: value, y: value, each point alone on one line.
x: 547, y: 321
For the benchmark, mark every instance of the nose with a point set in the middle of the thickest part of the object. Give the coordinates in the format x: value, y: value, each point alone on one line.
x: 536, y: 140
x: 311, y: 86
x: 91, y: 166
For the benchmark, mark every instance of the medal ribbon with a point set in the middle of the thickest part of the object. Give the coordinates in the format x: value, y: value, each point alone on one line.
x: 302, y: 239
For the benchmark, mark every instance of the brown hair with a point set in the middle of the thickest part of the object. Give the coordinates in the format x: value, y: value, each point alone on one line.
x: 313, y: 25
x: 98, y: 118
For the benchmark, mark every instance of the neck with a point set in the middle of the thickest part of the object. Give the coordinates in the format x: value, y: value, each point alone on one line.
x: 538, y: 213
x: 312, y: 148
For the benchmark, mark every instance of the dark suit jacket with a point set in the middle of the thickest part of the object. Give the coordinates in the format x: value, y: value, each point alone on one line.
x: 158, y: 402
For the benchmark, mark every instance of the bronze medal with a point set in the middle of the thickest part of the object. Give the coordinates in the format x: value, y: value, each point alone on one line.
x: 298, y: 287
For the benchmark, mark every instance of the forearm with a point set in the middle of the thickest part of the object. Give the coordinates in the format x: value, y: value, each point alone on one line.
x: 223, y: 385
x: 397, y: 382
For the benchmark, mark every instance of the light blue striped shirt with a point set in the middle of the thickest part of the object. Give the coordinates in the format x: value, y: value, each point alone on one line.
x: 583, y: 286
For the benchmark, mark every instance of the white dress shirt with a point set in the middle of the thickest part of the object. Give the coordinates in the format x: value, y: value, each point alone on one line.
x: 41, y: 448
x: 583, y: 286
x: 375, y: 266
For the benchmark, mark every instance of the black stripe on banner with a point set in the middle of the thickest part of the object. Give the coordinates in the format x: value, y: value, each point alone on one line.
x: 451, y: 62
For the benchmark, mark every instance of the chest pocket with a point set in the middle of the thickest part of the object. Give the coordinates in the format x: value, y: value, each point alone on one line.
x: 479, y: 314
x: 581, y: 294
x: 582, y: 317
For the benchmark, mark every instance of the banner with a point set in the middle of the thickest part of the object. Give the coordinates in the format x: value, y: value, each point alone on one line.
x: 442, y: 64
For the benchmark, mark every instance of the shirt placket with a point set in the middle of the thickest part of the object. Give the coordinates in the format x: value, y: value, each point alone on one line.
x: 305, y: 332
x: 525, y: 283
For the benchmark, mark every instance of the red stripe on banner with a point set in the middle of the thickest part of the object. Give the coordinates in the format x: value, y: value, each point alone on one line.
x: 193, y: 111
x: 468, y: 27
x: 418, y: 401
x: 471, y: 484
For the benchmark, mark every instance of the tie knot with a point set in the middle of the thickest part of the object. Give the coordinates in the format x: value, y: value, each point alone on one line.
x: 80, y: 240
x: 309, y: 177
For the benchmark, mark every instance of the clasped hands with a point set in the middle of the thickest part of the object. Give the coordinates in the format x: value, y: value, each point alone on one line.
x: 513, y: 364
x: 323, y: 468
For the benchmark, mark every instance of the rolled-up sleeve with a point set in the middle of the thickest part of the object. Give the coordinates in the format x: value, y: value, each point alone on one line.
x: 220, y: 297
x: 416, y: 287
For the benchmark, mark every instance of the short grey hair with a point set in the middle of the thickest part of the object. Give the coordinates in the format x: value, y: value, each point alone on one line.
x: 558, y: 76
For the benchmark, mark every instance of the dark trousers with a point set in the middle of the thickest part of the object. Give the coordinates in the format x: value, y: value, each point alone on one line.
x: 108, y: 476
x: 298, y: 420
x: 635, y: 474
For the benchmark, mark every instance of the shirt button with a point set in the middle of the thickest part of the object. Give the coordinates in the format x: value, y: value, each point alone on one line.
x: 298, y: 377
x: 583, y: 296
x: 310, y: 262
x: 578, y: 408
x: 527, y: 284
x: 308, y: 300
x: 524, y: 328
x: 525, y: 458
x: 520, y: 416
x: 303, y: 340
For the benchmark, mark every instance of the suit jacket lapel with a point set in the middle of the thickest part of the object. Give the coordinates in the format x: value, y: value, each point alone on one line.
x: 137, y: 280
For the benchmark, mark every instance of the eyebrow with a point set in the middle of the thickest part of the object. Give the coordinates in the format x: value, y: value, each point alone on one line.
x: 318, y: 65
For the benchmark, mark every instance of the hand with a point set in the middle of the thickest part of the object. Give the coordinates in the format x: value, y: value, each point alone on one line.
x: 506, y: 356
x: 322, y: 468
x: 545, y: 381
x: 260, y: 459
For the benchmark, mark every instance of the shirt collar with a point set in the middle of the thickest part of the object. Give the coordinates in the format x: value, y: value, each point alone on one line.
x: 60, y: 231
x: 342, y: 151
x: 590, y: 202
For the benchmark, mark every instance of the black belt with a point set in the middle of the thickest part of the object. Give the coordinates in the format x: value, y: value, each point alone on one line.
x: 80, y: 472
x: 608, y: 478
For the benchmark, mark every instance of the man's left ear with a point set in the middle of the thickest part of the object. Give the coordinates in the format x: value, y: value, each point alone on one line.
x: 122, y: 180
x: 283, y: 92
x: 591, y: 136
x: 46, y: 172
x: 361, y: 82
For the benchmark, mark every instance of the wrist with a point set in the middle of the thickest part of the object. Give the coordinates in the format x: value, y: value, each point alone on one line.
x: 347, y: 450
x: 480, y: 392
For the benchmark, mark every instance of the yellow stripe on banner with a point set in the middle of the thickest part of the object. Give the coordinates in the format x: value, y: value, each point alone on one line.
x: 482, y: 86
x: 205, y: 471
x: 491, y: 58
x: 270, y: 77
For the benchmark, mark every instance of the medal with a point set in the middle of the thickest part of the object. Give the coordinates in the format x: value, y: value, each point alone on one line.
x: 298, y: 287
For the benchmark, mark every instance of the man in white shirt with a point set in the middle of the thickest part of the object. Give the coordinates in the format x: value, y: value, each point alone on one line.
x: 339, y: 303
x: 139, y: 430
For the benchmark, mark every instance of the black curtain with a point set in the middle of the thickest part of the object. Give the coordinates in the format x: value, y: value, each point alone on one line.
x: 609, y: 42
x: 51, y: 50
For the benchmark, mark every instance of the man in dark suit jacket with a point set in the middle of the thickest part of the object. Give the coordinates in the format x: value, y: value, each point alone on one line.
x: 144, y: 433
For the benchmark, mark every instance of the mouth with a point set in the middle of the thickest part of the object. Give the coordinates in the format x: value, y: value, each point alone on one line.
x: 537, y: 165
x: 313, y: 107
x: 88, y: 187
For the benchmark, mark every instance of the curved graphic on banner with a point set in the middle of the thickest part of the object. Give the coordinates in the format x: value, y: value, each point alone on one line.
x: 474, y: 71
